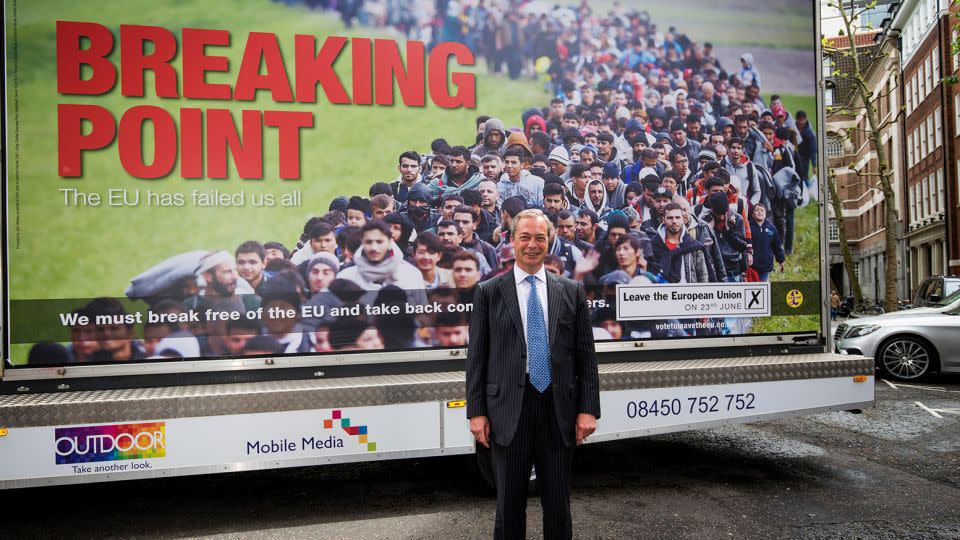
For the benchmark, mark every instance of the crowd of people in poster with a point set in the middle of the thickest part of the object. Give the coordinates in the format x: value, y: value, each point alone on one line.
x: 654, y: 162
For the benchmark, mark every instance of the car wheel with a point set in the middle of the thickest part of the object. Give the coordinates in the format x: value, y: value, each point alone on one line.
x: 906, y: 358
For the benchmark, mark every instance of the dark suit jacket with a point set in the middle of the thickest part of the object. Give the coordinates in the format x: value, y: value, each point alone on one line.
x: 497, y: 356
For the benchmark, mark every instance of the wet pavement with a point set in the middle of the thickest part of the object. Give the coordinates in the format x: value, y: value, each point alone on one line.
x: 890, y: 472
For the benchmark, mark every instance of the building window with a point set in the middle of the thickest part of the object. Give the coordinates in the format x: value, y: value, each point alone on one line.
x: 833, y: 232
x: 941, y: 196
x: 909, y: 98
x: 925, y: 197
x: 827, y: 67
x: 956, y: 114
x: 916, y: 145
x: 928, y: 73
x: 828, y: 96
x: 923, y: 140
x: 834, y: 146
x: 922, y: 77
x: 892, y: 94
x: 936, y: 65
x: 930, y: 134
x: 938, y: 136
x: 914, y: 207
x: 910, y: 149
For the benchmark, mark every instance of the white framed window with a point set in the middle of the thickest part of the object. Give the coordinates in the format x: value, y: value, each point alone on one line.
x: 923, y: 140
x: 916, y: 145
x: 928, y: 73
x: 922, y: 77
x: 892, y: 94
x: 955, y: 56
x: 935, y: 55
x: 930, y: 135
x: 909, y: 149
x: 956, y: 114
x: 914, y: 203
x: 937, y: 131
x: 916, y: 95
x: 828, y: 96
x: 833, y: 231
x: 941, y: 195
x: 908, y: 98
x: 925, y: 197
x: 827, y: 64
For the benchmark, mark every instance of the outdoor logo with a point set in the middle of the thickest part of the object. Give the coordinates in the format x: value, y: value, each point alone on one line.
x: 794, y: 298
x: 87, y: 444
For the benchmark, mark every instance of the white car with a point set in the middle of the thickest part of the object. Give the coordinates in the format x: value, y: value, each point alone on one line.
x: 906, y: 345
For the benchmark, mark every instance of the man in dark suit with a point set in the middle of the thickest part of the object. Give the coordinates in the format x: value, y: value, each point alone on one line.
x: 532, y: 383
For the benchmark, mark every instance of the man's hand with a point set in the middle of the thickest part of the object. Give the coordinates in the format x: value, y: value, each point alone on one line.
x: 480, y: 428
x: 586, y: 425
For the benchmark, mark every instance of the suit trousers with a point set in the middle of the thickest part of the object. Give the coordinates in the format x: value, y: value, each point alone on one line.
x: 537, y: 441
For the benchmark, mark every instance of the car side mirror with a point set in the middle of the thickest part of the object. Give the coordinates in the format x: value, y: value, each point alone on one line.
x: 934, y: 297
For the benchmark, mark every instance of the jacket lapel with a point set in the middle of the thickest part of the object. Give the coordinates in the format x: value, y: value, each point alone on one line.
x: 508, y: 286
x: 553, y: 303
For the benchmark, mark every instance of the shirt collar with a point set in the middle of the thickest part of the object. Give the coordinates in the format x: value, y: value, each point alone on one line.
x: 519, y: 274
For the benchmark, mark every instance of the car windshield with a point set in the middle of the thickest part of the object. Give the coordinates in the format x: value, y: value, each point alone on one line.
x: 951, y: 298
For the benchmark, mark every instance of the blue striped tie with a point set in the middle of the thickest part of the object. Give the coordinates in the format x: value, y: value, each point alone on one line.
x: 538, y: 348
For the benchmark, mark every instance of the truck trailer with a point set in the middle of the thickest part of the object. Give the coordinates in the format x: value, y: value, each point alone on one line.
x: 204, y: 274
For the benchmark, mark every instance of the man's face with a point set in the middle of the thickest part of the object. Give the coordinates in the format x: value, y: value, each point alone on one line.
x: 759, y: 213
x: 458, y: 166
x: 409, y: 170
x: 370, y: 340
x: 588, y: 93
x: 596, y: 193
x: 494, y: 139
x: 396, y: 231
x: 83, y: 338
x: 715, y: 189
x: 556, y: 110
x: 736, y: 150
x: 271, y: 254
x: 571, y: 123
x: 223, y: 279
x: 614, y: 234
x: 552, y: 203
x: 416, y: 202
x: 249, y: 266
x: 557, y: 168
x: 448, y: 206
x: 531, y: 242
x: 801, y: 123
x: 512, y: 166
x: 451, y: 336
x: 466, y: 274
x: 662, y: 154
x: 567, y: 228
x: 538, y: 164
x: 620, y: 98
x: 679, y: 137
x: 580, y: 182
x: 488, y: 194
x: 596, y: 173
x: 591, y: 138
x: 535, y: 127
x: 716, y: 138
x: 742, y: 128
x: 613, y: 327
x: 379, y: 213
x: 669, y: 183
x: 626, y: 255
x: 630, y: 197
x: 375, y: 245
x: 554, y: 268
x: 425, y: 259
x: 465, y: 220
x: 438, y: 168
x: 449, y: 235
x: 235, y: 342
x: 681, y: 163
x: 604, y: 147
x: 327, y: 242
x: 673, y: 221
x: 768, y: 133
x: 659, y: 203
x: 355, y: 218
x: 320, y: 277
x: 491, y: 170
x: 611, y: 183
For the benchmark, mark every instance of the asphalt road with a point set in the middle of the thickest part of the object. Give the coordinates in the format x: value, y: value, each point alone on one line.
x: 890, y: 472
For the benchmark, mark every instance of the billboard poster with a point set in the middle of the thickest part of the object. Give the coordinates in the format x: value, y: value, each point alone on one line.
x: 305, y: 177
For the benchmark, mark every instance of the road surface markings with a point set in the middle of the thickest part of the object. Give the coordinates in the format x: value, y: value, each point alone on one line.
x: 934, y: 413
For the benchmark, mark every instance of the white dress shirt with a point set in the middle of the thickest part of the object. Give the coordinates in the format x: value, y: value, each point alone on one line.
x: 523, y: 295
